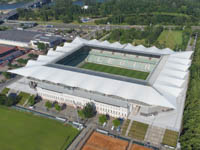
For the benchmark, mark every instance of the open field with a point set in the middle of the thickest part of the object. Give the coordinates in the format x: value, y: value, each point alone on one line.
x: 171, y: 39
x: 24, y: 131
x: 116, y: 70
x: 138, y: 130
x: 98, y: 141
x: 170, y: 138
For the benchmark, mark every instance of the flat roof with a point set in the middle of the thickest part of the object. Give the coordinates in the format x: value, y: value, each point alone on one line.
x: 4, y: 49
x: 18, y: 35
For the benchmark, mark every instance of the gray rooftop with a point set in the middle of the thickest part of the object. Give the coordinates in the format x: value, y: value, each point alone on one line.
x: 18, y: 35
x: 45, y: 38
x: 84, y: 94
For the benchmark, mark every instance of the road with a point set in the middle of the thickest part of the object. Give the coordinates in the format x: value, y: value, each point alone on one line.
x: 3, y: 85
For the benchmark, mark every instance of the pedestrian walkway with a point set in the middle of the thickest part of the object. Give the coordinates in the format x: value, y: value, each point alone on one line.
x: 82, y: 138
x: 130, y: 145
x: 154, y: 135
x: 129, y: 127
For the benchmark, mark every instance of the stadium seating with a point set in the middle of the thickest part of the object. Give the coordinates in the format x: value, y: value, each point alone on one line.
x: 116, y: 59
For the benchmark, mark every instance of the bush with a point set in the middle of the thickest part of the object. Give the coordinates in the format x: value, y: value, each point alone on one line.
x: 57, y: 107
x: 48, y: 104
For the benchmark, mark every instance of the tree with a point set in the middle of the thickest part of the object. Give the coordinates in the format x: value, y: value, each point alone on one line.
x: 22, y: 61
x: 89, y: 110
x: 116, y: 122
x: 57, y: 107
x: 3, y: 98
x: 6, y: 75
x: 42, y: 46
x: 102, y: 119
x: 48, y: 105
x: 81, y: 115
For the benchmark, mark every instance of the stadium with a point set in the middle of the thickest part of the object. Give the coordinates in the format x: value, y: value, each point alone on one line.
x: 121, y: 80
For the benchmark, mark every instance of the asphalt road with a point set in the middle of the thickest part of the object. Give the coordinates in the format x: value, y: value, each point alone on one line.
x: 3, y: 85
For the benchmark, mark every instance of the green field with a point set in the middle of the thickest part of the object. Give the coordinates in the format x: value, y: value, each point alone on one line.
x: 170, y: 138
x: 24, y: 131
x: 171, y: 39
x: 138, y: 130
x: 116, y: 70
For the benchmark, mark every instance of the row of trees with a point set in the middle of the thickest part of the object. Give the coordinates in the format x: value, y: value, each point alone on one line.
x: 104, y: 118
x: 120, y: 11
x: 190, y: 136
x: 8, y: 100
x: 49, y: 105
x: 150, y: 35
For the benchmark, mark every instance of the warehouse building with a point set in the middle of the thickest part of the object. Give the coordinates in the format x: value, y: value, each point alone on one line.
x: 28, y: 39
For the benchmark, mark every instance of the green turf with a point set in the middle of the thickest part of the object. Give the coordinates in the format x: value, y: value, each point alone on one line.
x: 125, y: 127
x: 116, y: 70
x: 170, y: 138
x: 24, y: 131
x: 5, y: 91
x: 24, y: 96
x: 170, y: 38
x: 138, y: 130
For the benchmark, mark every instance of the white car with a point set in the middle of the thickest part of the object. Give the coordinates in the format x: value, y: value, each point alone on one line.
x: 104, y: 124
x: 112, y: 128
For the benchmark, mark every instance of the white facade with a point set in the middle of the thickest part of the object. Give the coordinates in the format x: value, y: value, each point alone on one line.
x: 75, y: 101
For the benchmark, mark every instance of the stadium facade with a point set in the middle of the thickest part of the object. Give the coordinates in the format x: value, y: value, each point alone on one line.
x: 59, y: 76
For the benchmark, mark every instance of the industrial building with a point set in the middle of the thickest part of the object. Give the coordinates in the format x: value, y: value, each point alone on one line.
x: 28, y: 39
x: 8, y: 53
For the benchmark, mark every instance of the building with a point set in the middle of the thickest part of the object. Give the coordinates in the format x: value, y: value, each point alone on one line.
x: 8, y: 53
x: 60, y: 76
x: 24, y: 38
x: 48, y: 40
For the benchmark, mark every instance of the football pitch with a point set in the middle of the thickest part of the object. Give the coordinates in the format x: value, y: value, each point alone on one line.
x: 116, y: 70
x: 25, y: 131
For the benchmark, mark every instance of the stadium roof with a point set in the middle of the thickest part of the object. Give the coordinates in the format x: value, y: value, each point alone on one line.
x: 164, y: 86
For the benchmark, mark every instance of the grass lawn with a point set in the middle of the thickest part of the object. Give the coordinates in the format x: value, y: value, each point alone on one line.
x: 170, y: 138
x: 116, y: 70
x: 139, y: 42
x: 24, y: 131
x: 125, y: 126
x: 5, y: 91
x: 170, y: 39
x: 24, y: 96
x: 138, y: 130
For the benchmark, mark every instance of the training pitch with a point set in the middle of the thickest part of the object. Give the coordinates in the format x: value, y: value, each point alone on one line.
x: 24, y: 131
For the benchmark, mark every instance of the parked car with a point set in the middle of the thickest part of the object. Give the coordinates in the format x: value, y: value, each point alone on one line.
x: 104, y: 124
x: 118, y: 129
x: 112, y: 128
